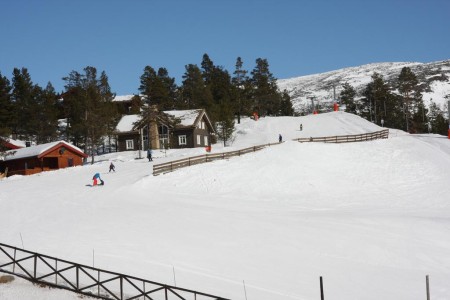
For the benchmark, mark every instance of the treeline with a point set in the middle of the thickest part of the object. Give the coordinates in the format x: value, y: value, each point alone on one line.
x: 398, y: 105
x: 30, y: 112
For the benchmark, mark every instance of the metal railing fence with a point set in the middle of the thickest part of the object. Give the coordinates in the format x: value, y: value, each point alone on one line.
x: 89, y: 281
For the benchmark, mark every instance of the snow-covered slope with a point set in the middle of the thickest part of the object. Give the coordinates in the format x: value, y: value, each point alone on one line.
x: 372, y: 218
x: 433, y: 76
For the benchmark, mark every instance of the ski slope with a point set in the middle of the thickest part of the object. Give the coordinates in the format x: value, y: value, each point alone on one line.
x: 372, y: 218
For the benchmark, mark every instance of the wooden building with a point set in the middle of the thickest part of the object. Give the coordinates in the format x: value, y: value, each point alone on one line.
x: 193, y: 129
x: 10, y: 144
x: 40, y: 158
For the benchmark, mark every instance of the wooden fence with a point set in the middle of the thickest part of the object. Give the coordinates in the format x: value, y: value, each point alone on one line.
x: 382, y: 134
x: 186, y: 162
x: 190, y: 161
x: 89, y: 281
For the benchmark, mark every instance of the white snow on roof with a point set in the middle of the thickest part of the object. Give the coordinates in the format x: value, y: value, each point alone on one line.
x: 123, y: 98
x: 187, y: 117
x: 35, y: 150
x: 16, y: 143
x: 126, y: 123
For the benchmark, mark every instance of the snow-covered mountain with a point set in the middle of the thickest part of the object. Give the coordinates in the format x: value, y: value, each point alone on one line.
x: 434, y: 76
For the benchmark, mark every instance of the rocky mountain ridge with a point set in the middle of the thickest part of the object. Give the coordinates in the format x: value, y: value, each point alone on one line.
x: 434, y: 77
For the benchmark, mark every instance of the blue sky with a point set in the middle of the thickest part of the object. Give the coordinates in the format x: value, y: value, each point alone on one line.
x: 297, y: 37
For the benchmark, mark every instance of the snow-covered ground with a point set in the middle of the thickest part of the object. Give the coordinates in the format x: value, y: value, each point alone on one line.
x: 372, y: 218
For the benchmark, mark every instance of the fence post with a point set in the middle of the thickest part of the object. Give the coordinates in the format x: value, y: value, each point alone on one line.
x: 77, y: 277
x: 428, y: 287
x: 121, y: 287
x: 35, y: 265
x: 321, y: 289
x: 14, y: 265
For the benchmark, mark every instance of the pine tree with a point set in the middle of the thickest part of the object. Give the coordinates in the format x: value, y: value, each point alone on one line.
x: 6, y: 105
x: 24, y: 96
x: 224, y: 122
x: 394, y: 117
x: 266, y: 98
x: 286, y: 108
x: 347, y: 96
x: 74, y: 106
x: 89, y: 107
x: 194, y: 92
x: 208, y: 68
x: 158, y: 88
x: 437, y: 122
x: 5, y: 111
x: 109, y: 114
x: 147, y: 86
x: 377, y: 94
x: 47, y: 112
x: 419, y: 119
x: 169, y: 90
x: 408, y: 88
x: 222, y: 112
x: 239, y: 79
x: 136, y: 104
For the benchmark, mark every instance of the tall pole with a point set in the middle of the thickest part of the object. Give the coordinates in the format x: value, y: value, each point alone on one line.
x: 312, y: 104
x: 322, y: 297
x: 448, y: 106
x: 334, y: 93
x: 239, y: 96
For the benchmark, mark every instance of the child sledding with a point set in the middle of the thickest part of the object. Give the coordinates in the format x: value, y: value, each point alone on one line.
x: 97, y: 180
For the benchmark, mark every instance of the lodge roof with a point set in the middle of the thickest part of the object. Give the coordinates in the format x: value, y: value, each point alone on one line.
x: 188, y: 118
x: 40, y: 150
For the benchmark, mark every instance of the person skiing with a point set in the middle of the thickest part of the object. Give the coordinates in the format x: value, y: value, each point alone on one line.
x: 96, y: 179
x: 149, y: 154
x: 301, y: 127
x: 112, y: 167
x: 280, y: 138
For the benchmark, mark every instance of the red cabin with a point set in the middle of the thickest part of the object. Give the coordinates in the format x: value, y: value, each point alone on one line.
x: 41, y: 158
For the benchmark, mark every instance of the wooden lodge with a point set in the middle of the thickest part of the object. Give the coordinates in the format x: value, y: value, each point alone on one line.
x: 41, y: 158
x: 194, y: 129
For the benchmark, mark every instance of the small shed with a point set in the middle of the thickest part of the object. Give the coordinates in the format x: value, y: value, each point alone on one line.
x: 41, y: 158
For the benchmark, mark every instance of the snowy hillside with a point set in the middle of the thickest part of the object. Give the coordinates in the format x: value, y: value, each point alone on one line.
x: 372, y: 218
x: 434, y: 76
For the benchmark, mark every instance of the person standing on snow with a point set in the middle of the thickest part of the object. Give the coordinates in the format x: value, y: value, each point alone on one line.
x: 112, y: 167
x: 149, y: 154
x: 280, y: 138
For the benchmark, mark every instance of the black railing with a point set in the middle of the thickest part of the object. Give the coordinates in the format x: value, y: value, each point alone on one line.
x: 87, y: 280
